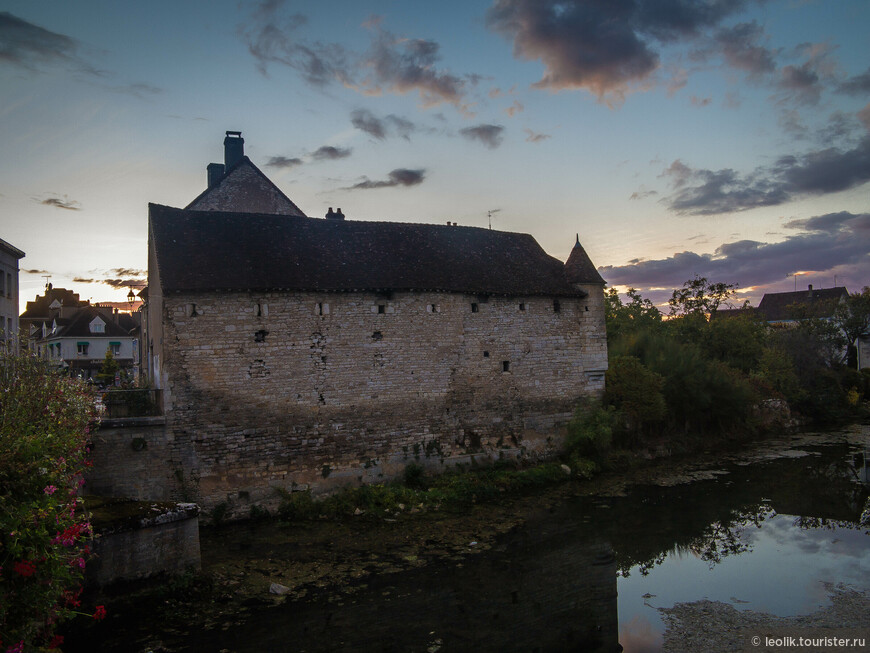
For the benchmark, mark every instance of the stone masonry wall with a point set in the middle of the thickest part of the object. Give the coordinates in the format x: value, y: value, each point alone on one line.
x: 317, y: 390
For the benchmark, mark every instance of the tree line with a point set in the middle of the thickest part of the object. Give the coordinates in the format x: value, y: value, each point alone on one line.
x: 694, y: 374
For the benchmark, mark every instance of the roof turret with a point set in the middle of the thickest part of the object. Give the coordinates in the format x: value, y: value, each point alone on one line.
x: 579, y: 268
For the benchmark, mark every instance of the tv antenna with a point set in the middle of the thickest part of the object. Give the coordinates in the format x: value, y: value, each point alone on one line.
x: 489, y: 215
x: 46, y: 277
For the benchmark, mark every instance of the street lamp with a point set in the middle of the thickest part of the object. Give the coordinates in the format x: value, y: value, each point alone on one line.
x: 131, y: 298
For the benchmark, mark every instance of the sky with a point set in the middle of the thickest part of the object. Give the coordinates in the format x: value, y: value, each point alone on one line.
x: 728, y: 139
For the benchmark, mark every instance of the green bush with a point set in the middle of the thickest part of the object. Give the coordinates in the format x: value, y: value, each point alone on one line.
x: 590, y: 431
x: 43, y: 452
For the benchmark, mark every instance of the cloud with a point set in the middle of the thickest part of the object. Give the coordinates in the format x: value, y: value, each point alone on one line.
x: 84, y: 280
x: 535, y: 137
x: 25, y: 45
x: 739, y: 46
x: 489, y: 135
x: 603, y: 47
x: 128, y: 272
x: 330, y: 153
x: 816, y: 173
x: 515, y: 108
x: 35, y: 271
x: 398, y: 177
x: 124, y: 283
x: 271, y: 38
x: 857, y: 85
x: 404, y: 65
x: 65, y: 203
x: 283, y: 162
x: 837, y: 243
x: 380, y: 128
x: 391, y: 63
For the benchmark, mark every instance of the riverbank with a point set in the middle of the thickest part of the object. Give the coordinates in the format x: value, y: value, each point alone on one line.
x: 251, y: 567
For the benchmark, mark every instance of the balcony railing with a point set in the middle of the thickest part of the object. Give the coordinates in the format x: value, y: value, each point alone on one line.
x: 140, y: 402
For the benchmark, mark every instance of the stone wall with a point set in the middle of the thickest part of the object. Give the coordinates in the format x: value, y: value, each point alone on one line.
x: 151, y: 539
x: 315, y: 390
x: 130, y: 459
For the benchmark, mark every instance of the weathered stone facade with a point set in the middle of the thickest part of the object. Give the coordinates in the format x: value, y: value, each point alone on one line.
x: 284, y: 390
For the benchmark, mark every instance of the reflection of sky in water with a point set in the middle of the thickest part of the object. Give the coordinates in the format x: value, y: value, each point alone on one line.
x: 782, y: 574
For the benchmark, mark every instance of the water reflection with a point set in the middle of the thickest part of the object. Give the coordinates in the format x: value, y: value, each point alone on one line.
x: 759, y: 536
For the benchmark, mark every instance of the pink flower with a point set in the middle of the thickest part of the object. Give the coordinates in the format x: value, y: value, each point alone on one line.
x: 50, y: 489
x: 16, y: 648
x: 100, y: 613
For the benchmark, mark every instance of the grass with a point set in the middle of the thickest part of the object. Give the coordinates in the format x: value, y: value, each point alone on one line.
x: 453, y: 491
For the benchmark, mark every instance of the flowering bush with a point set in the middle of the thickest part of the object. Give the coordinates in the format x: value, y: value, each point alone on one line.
x: 43, y: 451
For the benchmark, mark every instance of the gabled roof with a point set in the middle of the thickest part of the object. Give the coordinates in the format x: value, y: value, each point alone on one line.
x: 39, y: 307
x: 202, y: 251
x: 78, y: 326
x: 785, y: 306
x: 579, y: 267
x: 245, y: 188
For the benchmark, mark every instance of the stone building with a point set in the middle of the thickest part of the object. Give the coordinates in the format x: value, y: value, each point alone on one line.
x: 9, y: 257
x: 299, y: 352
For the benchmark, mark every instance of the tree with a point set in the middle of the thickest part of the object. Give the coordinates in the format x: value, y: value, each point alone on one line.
x: 109, y: 369
x: 698, y: 296
x: 635, y: 391
x: 852, y: 317
x: 625, y: 319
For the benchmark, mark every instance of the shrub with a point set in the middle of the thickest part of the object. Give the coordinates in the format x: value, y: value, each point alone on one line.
x: 590, y: 431
x: 43, y: 449
x: 636, y: 392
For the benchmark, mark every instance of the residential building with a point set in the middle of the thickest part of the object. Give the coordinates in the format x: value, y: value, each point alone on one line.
x: 9, y: 326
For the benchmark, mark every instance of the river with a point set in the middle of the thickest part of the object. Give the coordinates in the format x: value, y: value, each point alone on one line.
x: 776, y: 530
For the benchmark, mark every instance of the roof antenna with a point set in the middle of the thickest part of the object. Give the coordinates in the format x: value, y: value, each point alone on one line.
x: 46, y: 277
x: 489, y: 215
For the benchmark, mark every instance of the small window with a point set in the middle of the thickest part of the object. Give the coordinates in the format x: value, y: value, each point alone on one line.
x: 260, y: 336
x: 587, y: 308
x: 82, y: 349
x: 431, y: 308
x: 116, y: 348
x: 486, y: 354
x: 262, y: 310
x: 382, y: 308
x: 505, y: 366
x: 191, y: 310
x: 474, y: 307
x: 557, y: 307
x: 522, y: 306
x: 321, y: 308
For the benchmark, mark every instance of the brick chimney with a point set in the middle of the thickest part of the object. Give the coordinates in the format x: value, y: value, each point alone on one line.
x: 215, y: 173
x: 234, y: 149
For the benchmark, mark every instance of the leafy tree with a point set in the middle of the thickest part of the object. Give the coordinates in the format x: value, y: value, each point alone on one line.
x: 636, y: 392
x: 738, y: 341
x: 700, y: 296
x: 852, y: 317
x: 624, y: 319
x: 109, y: 369
x: 43, y: 448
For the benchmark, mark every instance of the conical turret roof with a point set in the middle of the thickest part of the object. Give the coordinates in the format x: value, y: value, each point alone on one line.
x: 579, y: 267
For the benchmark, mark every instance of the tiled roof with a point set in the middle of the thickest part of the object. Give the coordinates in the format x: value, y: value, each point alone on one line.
x: 199, y: 251
x: 38, y: 308
x: 821, y: 302
x: 245, y: 188
x: 78, y: 326
x: 11, y: 250
x: 579, y: 267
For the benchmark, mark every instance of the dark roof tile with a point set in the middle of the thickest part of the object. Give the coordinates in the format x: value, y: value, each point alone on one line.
x: 201, y: 251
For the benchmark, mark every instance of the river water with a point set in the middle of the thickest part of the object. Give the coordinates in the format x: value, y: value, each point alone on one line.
x: 763, y: 532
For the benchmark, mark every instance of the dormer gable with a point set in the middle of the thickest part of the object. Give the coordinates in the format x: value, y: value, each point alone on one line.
x: 55, y: 305
x: 97, y: 325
